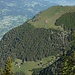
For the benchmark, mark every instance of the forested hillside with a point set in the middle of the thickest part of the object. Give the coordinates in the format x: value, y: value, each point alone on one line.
x: 29, y: 43
x: 49, y: 33
x: 65, y: 65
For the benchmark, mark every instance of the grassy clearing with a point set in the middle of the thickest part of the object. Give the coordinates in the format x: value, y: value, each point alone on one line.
x: 28, y: 66
x: 50, y: 15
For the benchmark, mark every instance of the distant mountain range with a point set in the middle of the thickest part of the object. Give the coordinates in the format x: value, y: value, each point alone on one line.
x: 16, y: 12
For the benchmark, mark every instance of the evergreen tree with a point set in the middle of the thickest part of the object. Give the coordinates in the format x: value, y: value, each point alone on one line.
x: 8, y: 66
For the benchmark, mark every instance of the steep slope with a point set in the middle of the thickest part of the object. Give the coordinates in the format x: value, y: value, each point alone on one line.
x: 36, y: 38
x: 67, y: 21
x: 30, y: 43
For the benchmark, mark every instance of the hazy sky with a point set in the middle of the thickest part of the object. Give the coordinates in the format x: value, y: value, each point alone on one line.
x: 63, y: 2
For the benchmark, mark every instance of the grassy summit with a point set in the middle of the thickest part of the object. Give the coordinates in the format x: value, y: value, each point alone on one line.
x: 47, y: 18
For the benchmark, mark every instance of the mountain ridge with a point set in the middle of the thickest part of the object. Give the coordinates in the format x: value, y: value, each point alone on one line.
x: 50, y: 15
x: 14, y: 13
x: 32, y: 40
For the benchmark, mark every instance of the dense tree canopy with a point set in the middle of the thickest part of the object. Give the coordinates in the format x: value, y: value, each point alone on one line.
x: 66, y: 20
x: 28, y: 43
x: 8, y: 67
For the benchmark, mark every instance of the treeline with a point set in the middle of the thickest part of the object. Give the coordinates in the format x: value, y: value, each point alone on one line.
x: 30, y: 44
x: 63, y: 66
